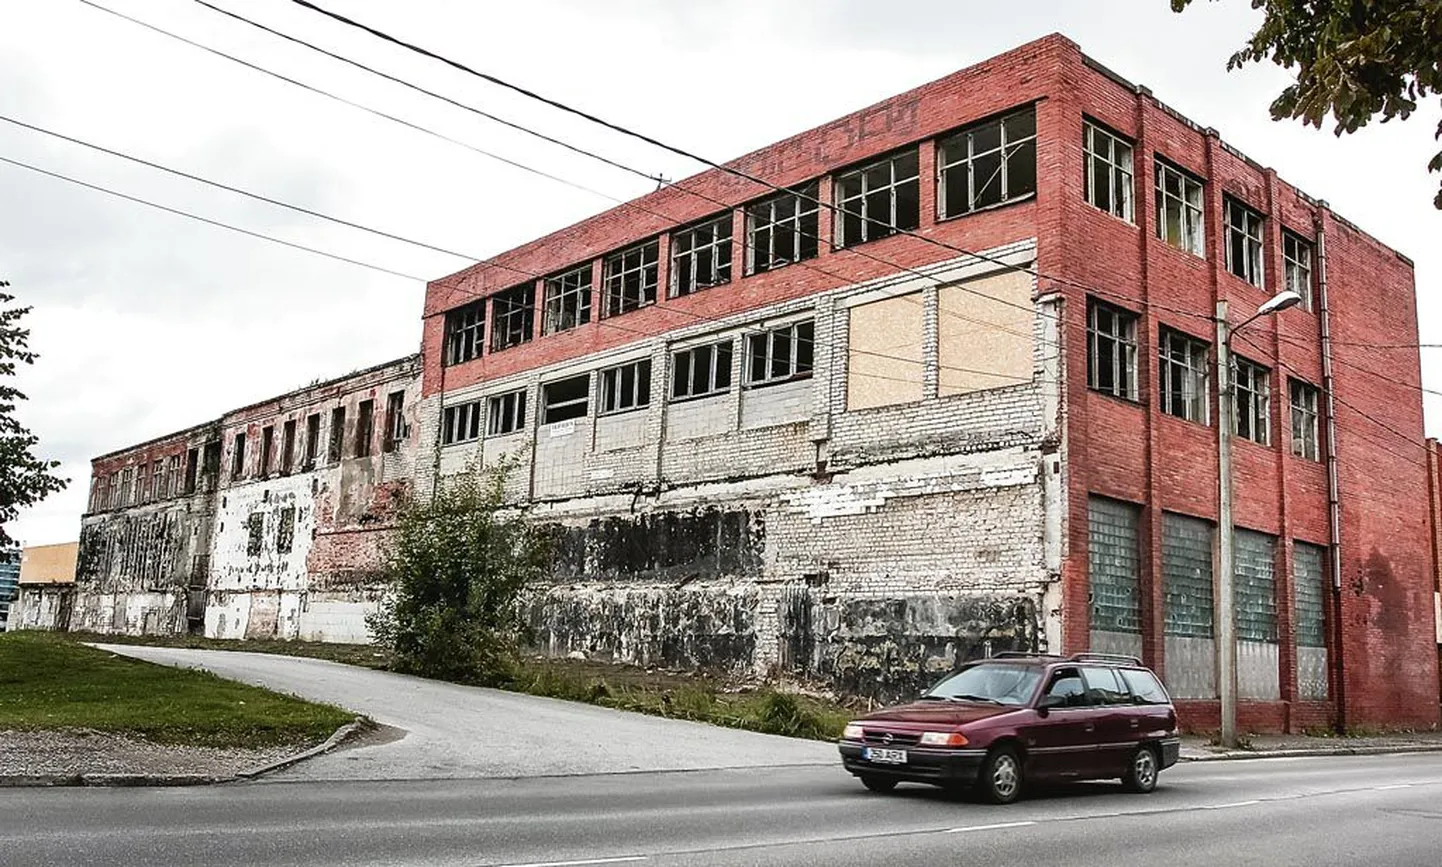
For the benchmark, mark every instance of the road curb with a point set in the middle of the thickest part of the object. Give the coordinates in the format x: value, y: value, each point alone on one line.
x: 338, y: 737
x: 1242, y: 755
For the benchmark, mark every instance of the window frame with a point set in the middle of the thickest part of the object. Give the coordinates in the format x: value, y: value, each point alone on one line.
x: 947, y: 164
x: 465, y: 333
x: 1257, y: 400
x: 1122, y: 207
x: 762, y: 220
x: 335, y: 445
x: 567, y: 301
x: 1307, y: 417
x: 365, y: 428
x: 716, y: 370
x: 396, y: 429
x: 685, y: 271
x: 793, y: 365
x: 520, y: 312
x: 237, y: 456
x: 547, y: 407
x: 1195, y: 368
x: 1292, y: 263
x: 614, y: 390
x: 1124, y: 361
x: 1251, y: 235
x: 893, y: 224
x: 1192, y: 236
x: 615, y: 269
x: 461, y: 423
x: 503, y: 419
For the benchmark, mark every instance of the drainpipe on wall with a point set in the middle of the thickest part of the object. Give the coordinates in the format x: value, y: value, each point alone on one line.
x: 1334, y: 497
x: 440, y: 417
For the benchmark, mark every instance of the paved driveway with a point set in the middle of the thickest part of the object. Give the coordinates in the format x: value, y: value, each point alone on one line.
x: 453, y: 731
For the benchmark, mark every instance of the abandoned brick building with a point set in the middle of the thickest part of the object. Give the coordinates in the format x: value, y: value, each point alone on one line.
x: 943, y: 385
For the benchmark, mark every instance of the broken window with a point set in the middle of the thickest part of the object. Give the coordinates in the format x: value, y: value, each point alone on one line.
x: 701, y: 256
x: 210, y: 467
x: 1179, y: 209
x: 701, y: 371
x: 365, y: 422
x: 1297, y: 263
x: 285, y: 531
x: 568, y: 300
x: 780, y: 354
x: 142, y: 482
x: 287, y: 447
x: 1108, y: 170
x: 461, y: 423
x: 312, y: 441
x: 630, y: 279
x: 626, y: 387
x: 513, y: 316
x: 337, y: 434
x: 782, y: 229
x: 192, y: 470
x: 267, y: 449
x: 1253, y: 400
x: 506, y: 413
x: 878, y: 200
x: 1184, y: 368
x: 1244, y: 241
x: 1111, y: 350
x: 565, y: 399
x: 255, y: 534
x: 988, y: 164
x: 465, y: 331
x: 237, y: 457
x: 1305, y: 442
x: 172, y: 475
x: 396, y: 429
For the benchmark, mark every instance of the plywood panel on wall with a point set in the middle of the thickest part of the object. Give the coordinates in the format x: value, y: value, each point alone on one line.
x: 884, y: 363
x: 984, y: 333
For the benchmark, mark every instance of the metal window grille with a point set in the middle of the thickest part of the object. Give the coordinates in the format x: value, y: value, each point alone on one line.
x: 1297, y: 266
x: 1253, y: 401
x: 1184, y: 374
x: 701, y: 371
x: 782, y: 229
x: 878, y: 200
x: 1114, y: 566
x: 1111, y: 350
x: 565, y: 399
x: 461, y: 423
x: 513, y: 316
x: 626, y: 387
x: 1255, y: 586
x: 1179, y: 209
x: 1109, y: 182
x: 701, y: 256
x: 1187, y: 575
x: 780, y: 354
x: 568, y: 300
x: 1305, y: 443
x: 631, y: 277
x: 1244, y: 241
x: 465, y: 330
x: 988, y: 164
x: 506, y: 413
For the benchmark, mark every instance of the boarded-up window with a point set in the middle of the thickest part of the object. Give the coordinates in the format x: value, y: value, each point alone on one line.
x: 1114, y: 566
x: 884, y: 362
x: 1187, y: 575
x: 984, y: 334
x: 1256, y: 583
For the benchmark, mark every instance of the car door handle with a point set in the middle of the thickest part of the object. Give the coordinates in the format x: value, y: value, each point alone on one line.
x: 1136, y: 724
x: 1091, y: 727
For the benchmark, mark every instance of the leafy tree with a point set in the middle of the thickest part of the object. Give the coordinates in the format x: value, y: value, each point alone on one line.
x: 24, y: 479
x: 458, y: 563
x: 1355, y: 59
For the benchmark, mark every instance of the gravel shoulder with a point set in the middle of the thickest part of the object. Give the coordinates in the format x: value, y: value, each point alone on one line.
x: 84, y: 753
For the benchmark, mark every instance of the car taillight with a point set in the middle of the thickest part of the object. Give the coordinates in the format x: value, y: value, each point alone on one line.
x: 943, y: 739
x: 852, y: 732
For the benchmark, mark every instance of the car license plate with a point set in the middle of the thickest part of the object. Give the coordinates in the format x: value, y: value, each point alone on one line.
x: 885, y: 757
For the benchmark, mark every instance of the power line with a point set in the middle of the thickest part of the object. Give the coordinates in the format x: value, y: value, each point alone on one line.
x: 1357, y: 367
x: 182, y: 213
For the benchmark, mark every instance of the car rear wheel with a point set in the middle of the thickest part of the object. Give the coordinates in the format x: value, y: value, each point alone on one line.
x: 878, y: 784
x: 1142, y: 773
x: 1001, y: 776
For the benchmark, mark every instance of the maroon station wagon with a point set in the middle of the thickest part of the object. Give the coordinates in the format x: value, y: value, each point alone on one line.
x: 999, y: 723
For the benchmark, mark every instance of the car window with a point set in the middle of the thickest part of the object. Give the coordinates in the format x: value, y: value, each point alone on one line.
x: 997, y: 683
x: 1066, y: 683
x: 1144, y: 686
x: 1104, y: 685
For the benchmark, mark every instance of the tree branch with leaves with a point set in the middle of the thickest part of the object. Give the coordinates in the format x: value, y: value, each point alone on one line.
x: 25, y: 480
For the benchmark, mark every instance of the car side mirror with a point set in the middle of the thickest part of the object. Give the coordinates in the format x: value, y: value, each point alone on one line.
x: 1050, y: 701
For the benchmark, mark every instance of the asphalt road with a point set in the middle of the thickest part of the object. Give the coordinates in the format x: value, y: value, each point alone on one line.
x: 1379, y: 811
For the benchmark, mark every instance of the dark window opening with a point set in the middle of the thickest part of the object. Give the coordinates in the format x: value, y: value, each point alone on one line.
x: 1253, y: 390
x: 701, y: 257
x: 630, y: 279
x: 506, y: 413
x: 337, y: 434
x: 364, y: 428
x: 1184, y: 373
x: 988, y: 164
x: 287, y: 447
x: 237, y: 457
x: 312, y: 441
x: 780, y: 354
x: 513, y: 316
x: 1244, y: 241
x: 1109, y: 182
x: 461, y: 423
x: 565, y: 399
x: 568, y: 301
x: 627, y: 387
x: 1111, y: 350
x: 701, y: 371
x: 396, y: 429
x: 782, y: 229
x: 465, y: 331
x: 878, y: 200
x: 1297, y: 265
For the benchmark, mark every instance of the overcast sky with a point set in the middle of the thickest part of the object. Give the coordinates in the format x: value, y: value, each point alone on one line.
x: 149, y: 322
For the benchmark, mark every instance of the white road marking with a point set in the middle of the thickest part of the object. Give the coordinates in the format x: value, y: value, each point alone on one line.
x: 1390, y: 788
x: 1229, y: 806
x: 629, y: 859
x: 995, y: 827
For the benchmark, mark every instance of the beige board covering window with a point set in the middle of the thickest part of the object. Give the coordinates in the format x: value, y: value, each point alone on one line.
x: 884, y: 364
x: 984, y: 333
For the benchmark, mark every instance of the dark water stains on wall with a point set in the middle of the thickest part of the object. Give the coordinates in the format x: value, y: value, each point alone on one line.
x: 126, y: 552
x: 702, y: 543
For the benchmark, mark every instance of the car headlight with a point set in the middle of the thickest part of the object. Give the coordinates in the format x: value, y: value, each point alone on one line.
x: 852, y: 732
x: 943, y: 739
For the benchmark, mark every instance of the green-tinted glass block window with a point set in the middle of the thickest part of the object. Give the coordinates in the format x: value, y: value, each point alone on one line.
x: 1114, y: 566
x: 1256, y: 583
x: 1187, y: 575
x: 1309, y: 577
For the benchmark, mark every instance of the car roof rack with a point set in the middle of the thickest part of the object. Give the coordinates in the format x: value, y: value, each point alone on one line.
x: 1020, y: 654
x: 1088, y: 656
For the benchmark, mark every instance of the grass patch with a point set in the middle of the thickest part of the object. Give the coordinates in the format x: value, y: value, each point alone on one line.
x: 364, y: 655
x: 49, y: 681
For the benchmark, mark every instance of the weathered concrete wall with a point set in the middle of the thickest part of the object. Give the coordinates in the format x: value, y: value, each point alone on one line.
x: 42, y: 606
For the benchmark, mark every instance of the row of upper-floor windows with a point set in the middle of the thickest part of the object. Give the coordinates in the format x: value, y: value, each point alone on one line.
x: 1184, y: 379
x: 174, y: 475
x: 770, y: 356
x: 293, y: 448
x: 1181, y: 211
x: 981, y: 166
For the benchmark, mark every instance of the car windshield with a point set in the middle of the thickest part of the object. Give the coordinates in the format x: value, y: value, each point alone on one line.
x: 1008, y: 684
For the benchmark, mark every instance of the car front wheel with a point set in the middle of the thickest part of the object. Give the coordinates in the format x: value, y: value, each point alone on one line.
x: 1001, y: 776
x: 878, y: 784
x: 1142, y: 773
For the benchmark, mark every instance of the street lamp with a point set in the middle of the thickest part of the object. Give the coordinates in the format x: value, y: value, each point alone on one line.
x: 1226, y: 421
